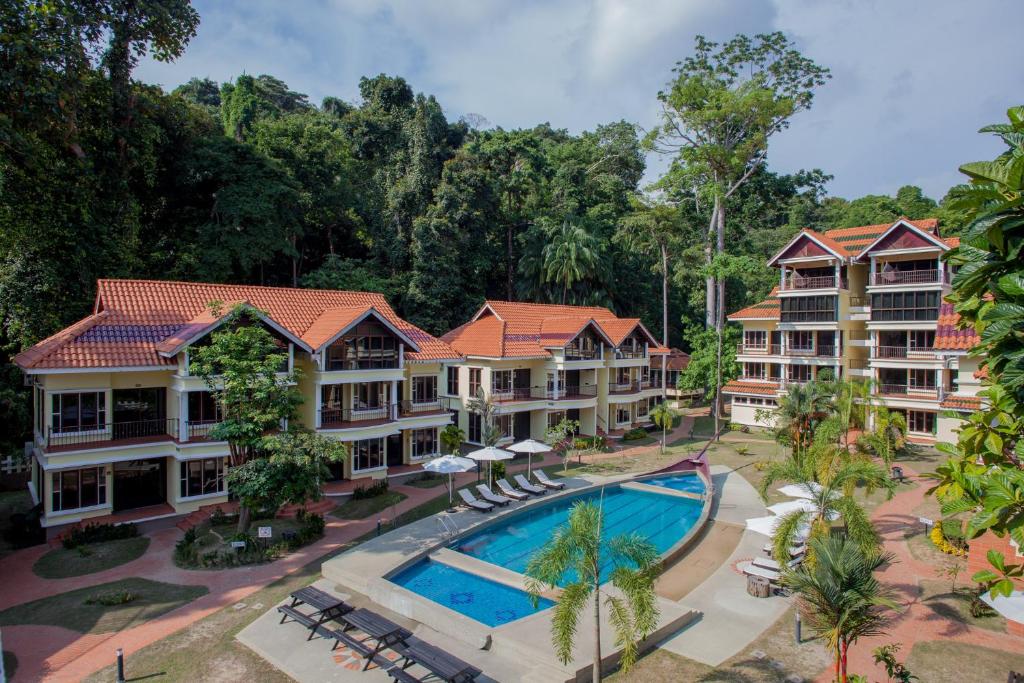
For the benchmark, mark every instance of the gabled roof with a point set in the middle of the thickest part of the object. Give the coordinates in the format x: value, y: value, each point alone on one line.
x: 513, y: 329
x: 948, y: 334
x: 821, y: 240
x: 134, y: 320
x: 848, y: 243
x: 207, y: 321
x: 674, y: 359
x: 906, y: 223
x: 334, y: 322
x: 769, y: 309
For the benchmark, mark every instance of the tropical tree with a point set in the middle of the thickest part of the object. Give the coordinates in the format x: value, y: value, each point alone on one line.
x: 561, y: 438
x: 572, y: 255
x: 850, y: 401
x: 839, y: 597
x: 579, y: 560
x: 452, y: 438
x: 887, y: 437
x: 662, y: 415
x: 798, y: 408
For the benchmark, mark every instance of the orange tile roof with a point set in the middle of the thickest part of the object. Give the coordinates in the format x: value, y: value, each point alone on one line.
x: 330, y: 322
x: 960, y: 402
x: 134, y: 317
x: 951, y: 242
x: 757, y: 388
x: 675, y: 359
x: 948, y: 334
x: 981, y: 373
x: 529, y: 329
x: 769, y: 309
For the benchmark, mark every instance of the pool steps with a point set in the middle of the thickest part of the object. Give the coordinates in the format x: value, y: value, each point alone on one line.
x: 664, y: 490
x: 486, y: 570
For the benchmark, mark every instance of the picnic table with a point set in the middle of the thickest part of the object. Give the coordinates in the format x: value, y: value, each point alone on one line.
x: 326, y: 606
x: 443, y: 665
x: 386, y: 632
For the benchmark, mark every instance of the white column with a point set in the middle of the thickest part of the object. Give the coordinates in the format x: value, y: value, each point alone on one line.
x: 401, y: 355
x: 317, y: 404
x: 871, y: 273
x: 183, y: 416
x: 394, y: 395
x: 555, y: 384
x: 838, y: 271
x: 782, y: 278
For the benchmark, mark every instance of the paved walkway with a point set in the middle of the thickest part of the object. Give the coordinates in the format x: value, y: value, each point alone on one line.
x: 57, y: 654
x: 917, y: 622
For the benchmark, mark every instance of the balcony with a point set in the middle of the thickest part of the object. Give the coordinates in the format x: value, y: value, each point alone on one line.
x: 436, y: 406
x: 819, y: 351
x: 906, y: 277
x: 571, y: 392
x: 516, y: 394
x: 199, y: 430
x: 929, y: 393
x: 114, y: 434
x: 630, y: 354
x: 797, y: 282
x: 373, y: 363
x: 759, y: 349
x: 628, y: 387
x: 581, y: 354
x: 345, y: 418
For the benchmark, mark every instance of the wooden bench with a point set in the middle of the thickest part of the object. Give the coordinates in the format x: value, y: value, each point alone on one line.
x: 363, y: 650
x: 304, y: 619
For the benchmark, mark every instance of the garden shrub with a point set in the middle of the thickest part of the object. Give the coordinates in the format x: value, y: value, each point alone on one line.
x: 635, y: 434
x: 218, y: 517
x: 950, y: 548
x: 498, y: 470
x: 187, y: 551
x: 378, y: 488
x: 98, y: 533
x: 112, y: 599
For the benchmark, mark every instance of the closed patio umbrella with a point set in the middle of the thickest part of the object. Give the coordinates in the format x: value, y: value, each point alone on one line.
x: 489, y: 455
x: 449, y: 464
x: 530, y: 446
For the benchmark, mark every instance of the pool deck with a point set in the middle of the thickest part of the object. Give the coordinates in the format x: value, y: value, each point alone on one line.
x: 708, y: 622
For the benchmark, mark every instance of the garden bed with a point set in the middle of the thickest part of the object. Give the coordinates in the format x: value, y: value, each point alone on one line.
x: 62, y: 563
x: 364, y: 507
x: 215, y: 544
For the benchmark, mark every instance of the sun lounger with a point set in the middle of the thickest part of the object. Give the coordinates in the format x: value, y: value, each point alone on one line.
x: 794, y: 550
x: 491, y: 497
x: 510, y: 491
x: 528, y: 487
x: 770, y: 574
x: 472, y: 502
x: 542, y: 479
x: 768, y: 563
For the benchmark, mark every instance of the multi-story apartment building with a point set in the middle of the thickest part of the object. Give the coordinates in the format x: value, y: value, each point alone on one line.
x: 864, y: 302
x: 120, y: 423
x: 540, y: 363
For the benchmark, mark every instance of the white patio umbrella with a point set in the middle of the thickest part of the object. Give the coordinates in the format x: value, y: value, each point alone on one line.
x: 530, y: 446
x: 789, y: 506
x: 449, y: 464
x: 808, y: 490
x: 767, y: 526
x: 489, y: 455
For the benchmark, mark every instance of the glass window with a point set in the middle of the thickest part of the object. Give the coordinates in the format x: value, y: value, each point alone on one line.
x: 73, y: 489
x: 809, y: 309
x: 501, y: 381
x: 799, y: 373
x: 622, y: 415
x: 504, y: 423
x: 203, y: 407
x: 910, y: 306
x: 921, y: 422
x: 475, y: 428
x: 201, y: 477
x: 755, y: 338
x: 424, y: 443
x: 754, y: 370
x: 367, y: 454
x: 453, y: 381
x: 424, y: 389
x: 78, y: 412
x: 474, y: 382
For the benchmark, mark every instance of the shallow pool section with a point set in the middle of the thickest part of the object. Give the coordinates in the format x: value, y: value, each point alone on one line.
x: 486, y: 601
x: 690, y: 483
x: 662, y: 519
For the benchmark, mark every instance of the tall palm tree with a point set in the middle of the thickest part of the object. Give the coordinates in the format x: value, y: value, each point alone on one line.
x: 662, y: 416
x: 888, y: 435
x: 577, y: 551
x: 572, y: 255
x: 798, y: 408
x: 839, y: 597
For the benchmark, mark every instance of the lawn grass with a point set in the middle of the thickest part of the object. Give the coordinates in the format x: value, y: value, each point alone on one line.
x: 426, y: 482
x: 61, y: 563
x: 947, y: 661
x: 69, y: 610
x: 956, y: 607
x: 363, y: 508
x: 10, y: 503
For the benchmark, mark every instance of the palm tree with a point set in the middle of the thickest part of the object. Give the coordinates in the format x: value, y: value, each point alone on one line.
x: 663, y: 416
x: 575, y: 550
x: 839, y: 596
x: 888, y: 436
x: 571, y: 255
x: 851, y: 399
x: 452, y: 438
x: 798, y: 408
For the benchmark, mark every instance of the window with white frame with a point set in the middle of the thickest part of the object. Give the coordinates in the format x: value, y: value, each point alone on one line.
x: 367, y: 454
x: 453, y: 380
x: 555, y: 417
x: 474, y: 381
x: 504, y: 424
x: 424, y: 443
x: 920, y: 422
x: 755, y: 339
x: 754, y: 370
x: 74, y: 489
x: 739, y: 400
x: 622, y: 415
x: 78, y: 412
x: 475, y: 428
x: 202, y: 477
x: 424, y: 389
x: 501, y: 381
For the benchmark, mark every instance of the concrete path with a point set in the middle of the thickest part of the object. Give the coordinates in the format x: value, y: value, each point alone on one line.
x: 57, y: 654
x: 732, y: 618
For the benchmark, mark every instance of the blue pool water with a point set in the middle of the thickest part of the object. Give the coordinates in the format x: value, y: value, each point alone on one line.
x: 661, y: 519
x: 680, y: 482
x: 486, y: 601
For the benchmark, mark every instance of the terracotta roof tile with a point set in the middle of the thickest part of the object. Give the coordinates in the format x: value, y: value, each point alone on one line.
x: 330, y: 322
x: 948, y: 334
x: 674, y: 358
x: 961, y: 402
x: 757, y: 388
x: 137, y: 316
x: 769, y: 309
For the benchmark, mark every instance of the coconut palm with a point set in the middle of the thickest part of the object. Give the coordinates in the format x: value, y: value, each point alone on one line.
x: 798, y: 408
x: 572, y: 255
x: 851, y: 399
x: 888, y: 436
x: 839, y: 597
x: 663, y: 416
x: 577, y: 552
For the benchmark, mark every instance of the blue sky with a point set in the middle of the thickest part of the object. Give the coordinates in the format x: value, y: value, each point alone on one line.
x: 913, y: 80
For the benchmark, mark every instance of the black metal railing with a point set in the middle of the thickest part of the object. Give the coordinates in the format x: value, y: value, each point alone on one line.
x: 200, y: 429
x: 336, y: 417
x: 571, y: 391
x: 582, y: 354
x: 101, y: 435
x: 630, y: 353
x: 906, y: 277
x: 361, y: 364
x: 409, y: 408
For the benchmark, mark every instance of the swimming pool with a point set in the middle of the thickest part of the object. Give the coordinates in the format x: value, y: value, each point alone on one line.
x: 690, y: 483
x: 486, y: 601
x: 661, y: 519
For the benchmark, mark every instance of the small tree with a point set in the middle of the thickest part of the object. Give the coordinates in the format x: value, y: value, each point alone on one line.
x: 577, y: 549
x: 896, y: 671
x: 561, y: 438
x: 663, y: 416
x: 452, y: 438
x: 888, y: 436
x: 839, y: 596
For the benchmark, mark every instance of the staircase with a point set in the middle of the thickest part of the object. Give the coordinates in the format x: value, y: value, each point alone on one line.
x: 203, y: 513
x: 320, y: 507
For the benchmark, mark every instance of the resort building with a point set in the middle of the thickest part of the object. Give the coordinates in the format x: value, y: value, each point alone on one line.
x: 120, y: 422
x: 865, y: 303
x: 541, y: 363
x: 674, y: 362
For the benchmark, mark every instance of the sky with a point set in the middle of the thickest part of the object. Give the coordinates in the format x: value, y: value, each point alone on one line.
x: 913, y: 80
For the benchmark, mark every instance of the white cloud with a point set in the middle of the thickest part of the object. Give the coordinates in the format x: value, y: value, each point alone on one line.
x: 912, y: 81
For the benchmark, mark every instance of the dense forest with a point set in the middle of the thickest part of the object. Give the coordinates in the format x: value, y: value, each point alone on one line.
x: 248, y: 181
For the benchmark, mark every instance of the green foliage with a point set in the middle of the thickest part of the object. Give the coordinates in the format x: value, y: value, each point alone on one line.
x: 1002, y: 579
x: 111, y: 599
x: 888, y: 436
x: 635, y: 434
x: 452, y: 438
x: 98, y: 533
x: 702, y: 369
x: 885, y: 655
x: 580, y: 548
x: 663, y: 416
x: 378, y: 488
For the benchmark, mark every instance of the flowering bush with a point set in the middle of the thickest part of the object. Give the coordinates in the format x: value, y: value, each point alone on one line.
x: 940, y: 542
